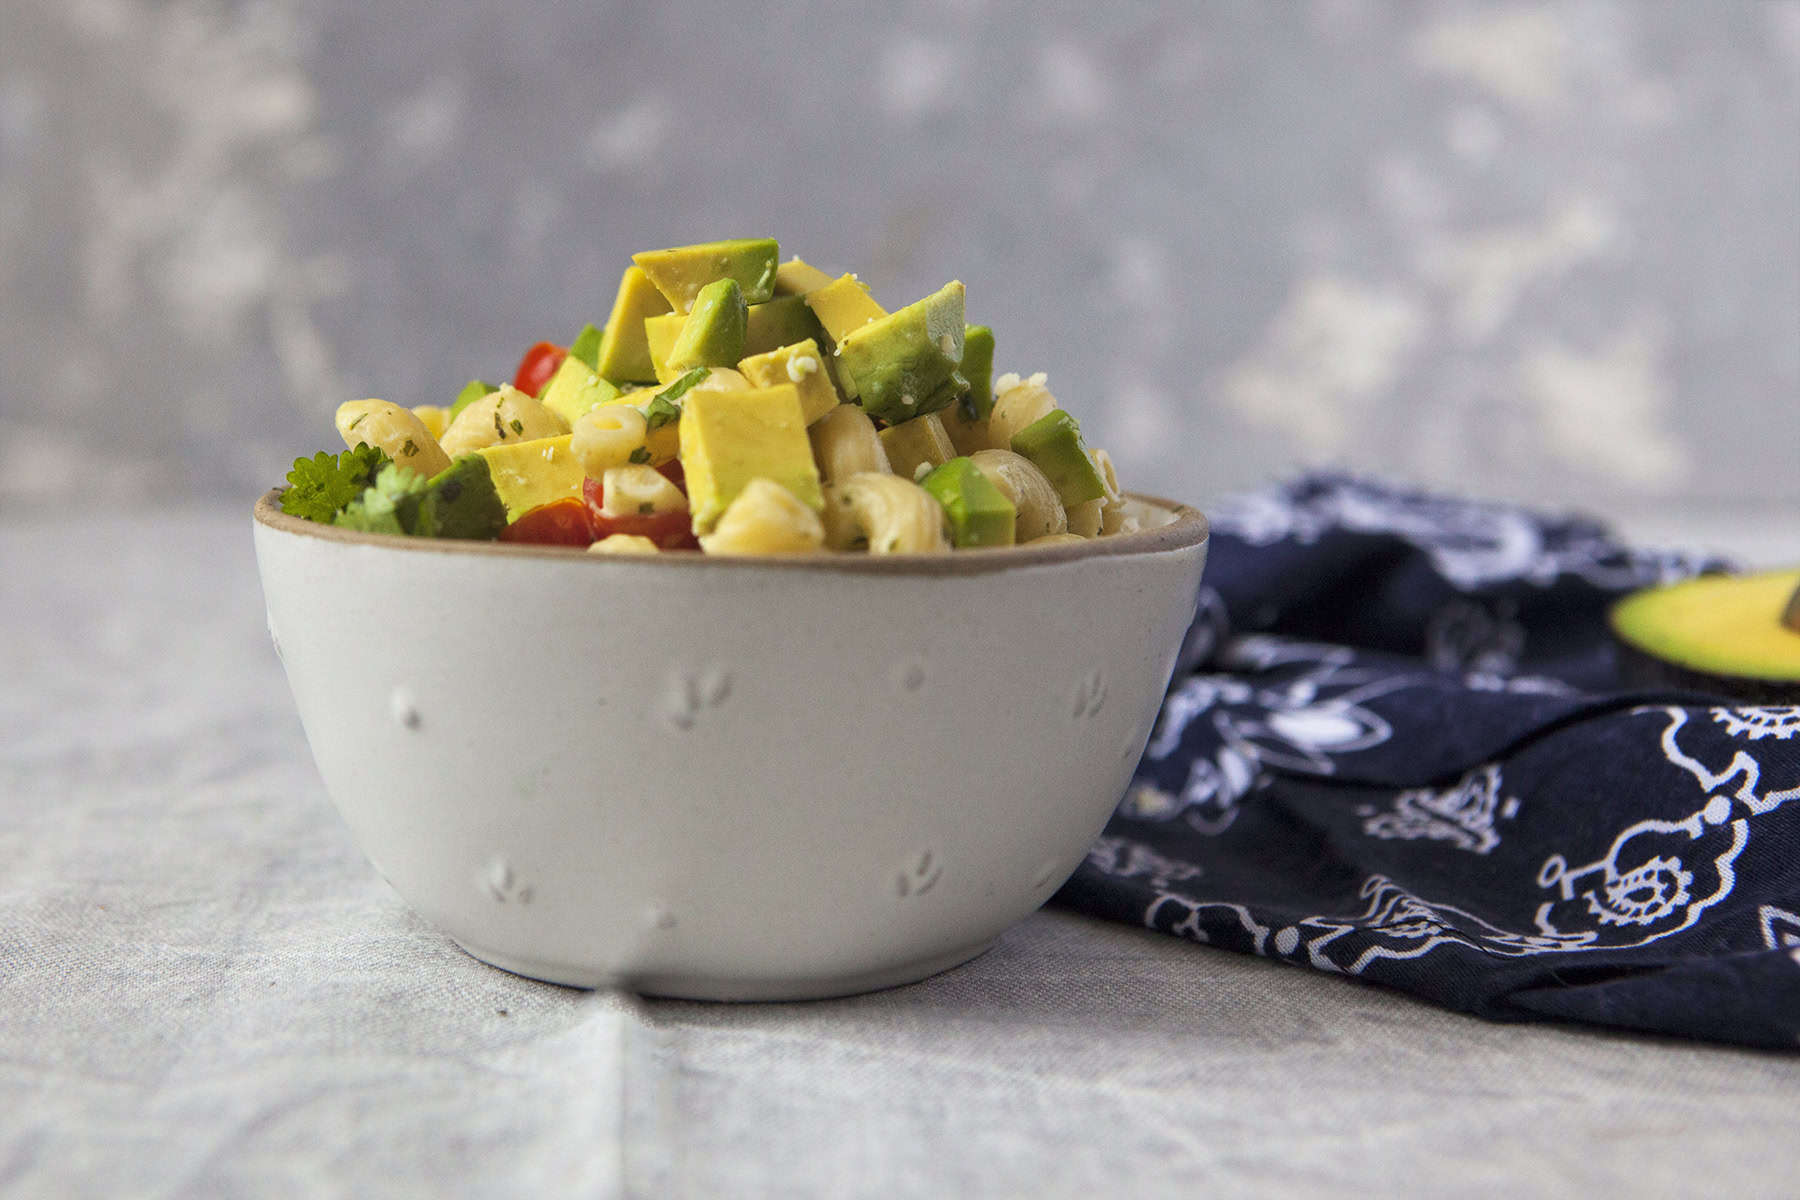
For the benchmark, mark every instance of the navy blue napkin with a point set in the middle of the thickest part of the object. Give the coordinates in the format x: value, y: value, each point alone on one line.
x: 1395, y: 748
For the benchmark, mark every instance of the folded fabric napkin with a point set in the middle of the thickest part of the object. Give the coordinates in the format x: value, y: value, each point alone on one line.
x: 1394, y: 748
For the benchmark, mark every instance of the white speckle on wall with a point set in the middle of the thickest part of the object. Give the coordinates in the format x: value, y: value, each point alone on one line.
x: 1601, y: 411
x: 1784, y: 28
x: 628, y: 139
x: 918, y: 77
x: 1411, y: 195
x: 1489, y: 272
x: 1518, y: 53
x: 1332, y: 351
x: 1069, y: 84
x: 423, y: 127
x: 1474, y: 135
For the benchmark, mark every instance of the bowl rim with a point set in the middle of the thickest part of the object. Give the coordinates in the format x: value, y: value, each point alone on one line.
x: 1186, y: 528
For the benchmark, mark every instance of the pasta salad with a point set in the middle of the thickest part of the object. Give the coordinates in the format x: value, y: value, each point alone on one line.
x: 732, y: 403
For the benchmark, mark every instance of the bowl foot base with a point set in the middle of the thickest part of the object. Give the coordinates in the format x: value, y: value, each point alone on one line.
x: 682, y: 986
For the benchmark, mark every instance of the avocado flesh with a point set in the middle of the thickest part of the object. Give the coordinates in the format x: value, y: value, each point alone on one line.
x: 680, y: 272
x: 843, y: 306
x: 1722, y: 633
x: 978, y: 368
x: 915, y: 443
x: 713, y: 334
x: 796, y: 277
x: 980, y: 514
x: 782, y: 321
x: 624, y: 354
x: 575, y: 388
x: 1053, y: 444
x: 904, y: 365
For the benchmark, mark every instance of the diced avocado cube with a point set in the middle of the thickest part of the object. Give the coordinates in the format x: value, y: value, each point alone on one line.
x: 781, y: 322
x: 713, y: 334
x: 801, y: 364
x: 915, y: 443
x: 659, y: 338
x: 472, y: 391
x: 461, y: 501
x: 905, y: 364
x: 527, y: 474
x: 978, y: 368
x: 796, y: 277
x: 681, y: 272
x: 624, y: 355
x: 730, y: 438
x: 980, y: 514
x: 575, y: 388
x: 1053, y: 443
x: 586, y: 347
x: 844, y: 306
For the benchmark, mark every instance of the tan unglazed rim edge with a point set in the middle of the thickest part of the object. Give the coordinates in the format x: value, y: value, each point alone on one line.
x: 1186, y: 528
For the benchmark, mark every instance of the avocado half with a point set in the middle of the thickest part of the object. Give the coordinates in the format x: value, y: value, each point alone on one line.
x: 1735, y: 635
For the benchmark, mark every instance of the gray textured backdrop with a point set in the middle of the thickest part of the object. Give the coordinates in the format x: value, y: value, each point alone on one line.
x: 1549, y: 251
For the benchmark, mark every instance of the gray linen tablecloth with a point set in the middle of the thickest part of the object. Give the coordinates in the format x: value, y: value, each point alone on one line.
x: 205, y: 991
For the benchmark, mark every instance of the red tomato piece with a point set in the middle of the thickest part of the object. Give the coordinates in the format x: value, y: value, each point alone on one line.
x: 673, y: 472
x: 669, y: 530
x: 538, y: 365
x: 558, y: 523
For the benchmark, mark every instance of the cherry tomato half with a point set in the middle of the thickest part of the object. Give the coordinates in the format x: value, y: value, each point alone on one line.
x: 558, y: 523
x: 669, y: 530
x: 538, y: 365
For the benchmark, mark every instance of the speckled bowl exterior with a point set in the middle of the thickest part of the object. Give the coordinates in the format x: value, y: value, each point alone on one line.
x: 726, y: 778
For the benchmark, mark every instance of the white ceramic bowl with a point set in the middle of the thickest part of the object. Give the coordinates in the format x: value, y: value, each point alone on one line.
x: 726, y: 778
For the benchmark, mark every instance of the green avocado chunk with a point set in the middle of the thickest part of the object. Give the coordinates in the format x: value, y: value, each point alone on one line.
x: 980, y: 514
x: 978, y: 368
x: 461, y: 501
x: 586, y: 346
x: 1053, y: 444
x: 904, y: 364
x: 472, y: 391
x: 679, y: 273
x: 1726, y: 634
x: 575, y: 388
x: 624, y: 354
x: 783, y: 321
x: 713, y: 334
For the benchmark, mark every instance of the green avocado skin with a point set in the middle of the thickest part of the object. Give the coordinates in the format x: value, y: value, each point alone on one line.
x: 910, y: 354
x: 980, y: 515
x: 1053, y: 444
x: 750, y: 261
x: 1640, y: 670
x: 713, y: 334
x: 586, y: 346
x: 978, y: 368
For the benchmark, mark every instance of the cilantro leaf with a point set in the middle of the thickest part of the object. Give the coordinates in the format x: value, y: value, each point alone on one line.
x: 662, y: 409
x: 390, y: 504
x: 321, y: 486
